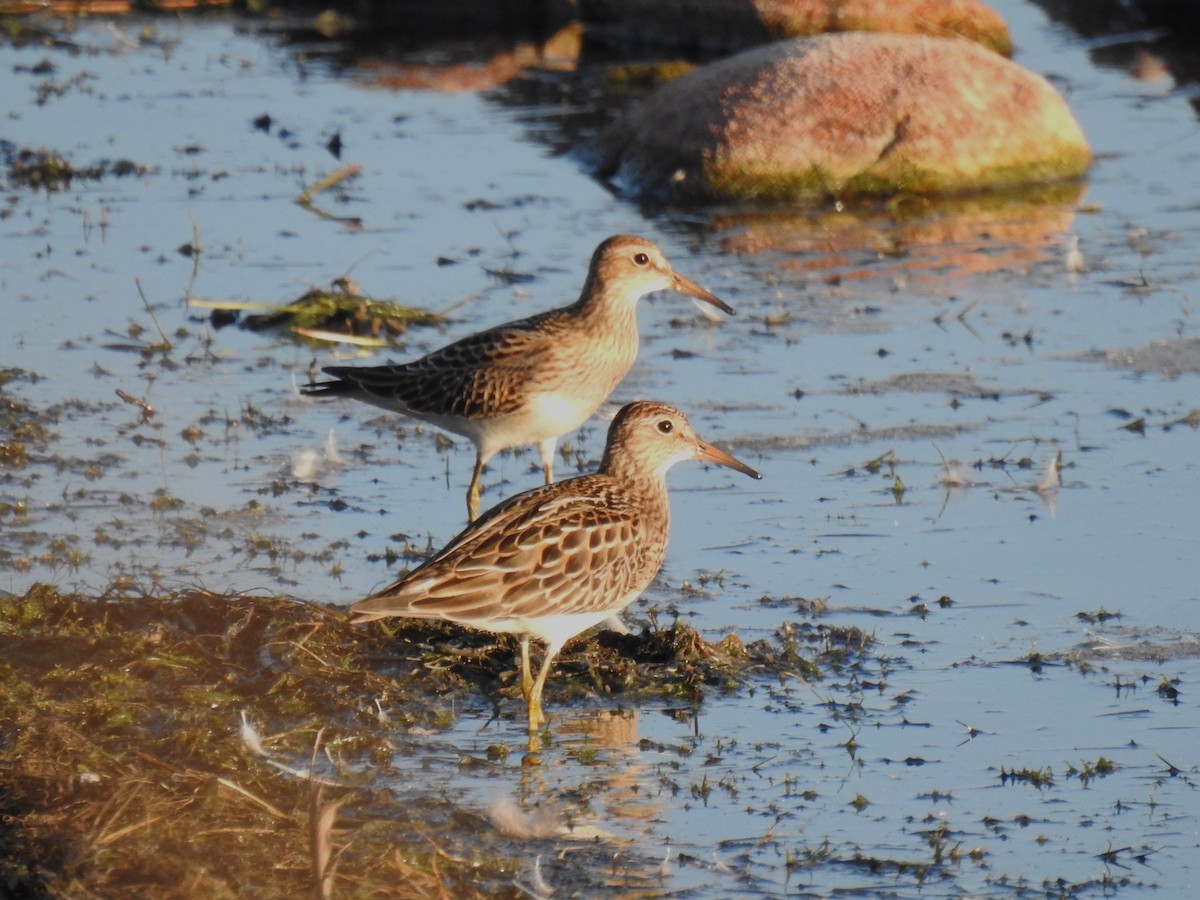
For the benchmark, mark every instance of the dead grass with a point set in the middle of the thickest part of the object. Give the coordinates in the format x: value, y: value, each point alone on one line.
x: 124, y: 773
x: 339, y: 313
x: 124, y: 770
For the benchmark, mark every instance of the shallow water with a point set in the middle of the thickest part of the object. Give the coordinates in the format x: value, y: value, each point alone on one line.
x: 958, y: 342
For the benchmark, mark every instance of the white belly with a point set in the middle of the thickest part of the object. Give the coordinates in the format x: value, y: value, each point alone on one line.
x: 546, y: 416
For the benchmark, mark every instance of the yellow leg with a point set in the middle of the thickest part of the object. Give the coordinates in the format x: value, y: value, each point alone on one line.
x: 536, y: 717
x: 526, y: 678
x: 474, y: 491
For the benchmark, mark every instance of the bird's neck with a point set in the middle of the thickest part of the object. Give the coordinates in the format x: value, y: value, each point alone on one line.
x: 613, y: 308
x: 648, y: 483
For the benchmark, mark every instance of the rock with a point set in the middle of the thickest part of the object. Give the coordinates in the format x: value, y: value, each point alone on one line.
x: 478, y: 65
x: 728, y: 24
x: 845, y: 115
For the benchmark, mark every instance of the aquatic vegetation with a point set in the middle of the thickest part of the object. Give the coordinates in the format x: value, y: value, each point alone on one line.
x: 1089, y: 771
x: 51, y: 171
x: 340, y: 313
x: 126, y: 765
x: 1039, y: 778
x: 141, y: 733
x: 23, y: 428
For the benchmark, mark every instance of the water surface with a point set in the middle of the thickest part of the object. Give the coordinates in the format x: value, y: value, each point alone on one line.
x: 906, y: 384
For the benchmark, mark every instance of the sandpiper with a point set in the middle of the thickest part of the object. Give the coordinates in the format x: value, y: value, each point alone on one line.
x: 533, y: 380
x: 556, y: 560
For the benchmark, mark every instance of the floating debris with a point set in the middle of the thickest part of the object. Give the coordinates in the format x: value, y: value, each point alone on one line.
x: 308, y: 463
x: 338, y: 314
x: 39, y: 169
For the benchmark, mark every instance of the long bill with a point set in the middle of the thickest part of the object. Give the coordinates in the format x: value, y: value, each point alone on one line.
x: 709, y: 453
x: 685, y: 285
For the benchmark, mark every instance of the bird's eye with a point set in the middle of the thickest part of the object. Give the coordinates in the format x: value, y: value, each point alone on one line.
x: 641, y: 259
x: 665, y: 426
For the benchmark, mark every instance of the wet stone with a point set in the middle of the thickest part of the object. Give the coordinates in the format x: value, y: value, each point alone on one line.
x: 846, y: 115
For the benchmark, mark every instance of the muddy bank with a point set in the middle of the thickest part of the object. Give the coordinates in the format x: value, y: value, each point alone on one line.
x: 172, y: 744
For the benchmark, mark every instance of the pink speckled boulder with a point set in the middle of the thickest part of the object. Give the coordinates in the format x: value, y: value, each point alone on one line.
x: 845, y: 115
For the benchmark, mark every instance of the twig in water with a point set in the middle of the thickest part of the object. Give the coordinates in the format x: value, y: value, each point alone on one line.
x: 165, y: 346
x: 327, y: 182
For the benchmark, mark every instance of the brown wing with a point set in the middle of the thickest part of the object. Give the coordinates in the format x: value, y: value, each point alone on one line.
x: 585, y: 550
x: 481, y: 375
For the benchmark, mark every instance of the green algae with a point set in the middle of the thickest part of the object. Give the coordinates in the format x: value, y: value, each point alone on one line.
x: 24, y: 429
x: 722, y: 179
x: 646, y: 75
x: 51, y: 171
